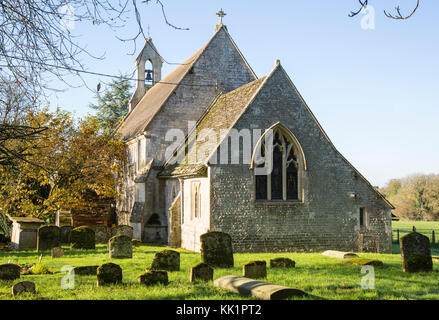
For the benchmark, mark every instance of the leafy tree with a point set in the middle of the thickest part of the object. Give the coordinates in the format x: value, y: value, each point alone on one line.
x: 415, y: 197
x: 69, y: 162
x: 112, y: 105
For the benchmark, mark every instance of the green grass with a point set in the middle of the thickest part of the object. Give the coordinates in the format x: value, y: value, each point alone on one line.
x: 320, y: 276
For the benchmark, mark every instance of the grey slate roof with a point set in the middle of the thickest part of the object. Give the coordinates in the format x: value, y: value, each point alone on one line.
x: 221, y: 115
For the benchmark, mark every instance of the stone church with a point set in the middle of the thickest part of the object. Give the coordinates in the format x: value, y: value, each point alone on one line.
x: 213, y: 147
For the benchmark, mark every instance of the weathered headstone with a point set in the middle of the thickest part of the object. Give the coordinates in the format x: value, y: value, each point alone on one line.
x: 415, y: 253
x: 102, y: 234
x: 57, y: 252
x: 339, y: 254
x: 24, y: 232
x: 66, y: 232
x: 282, y: 263
x: 120, y: 247
x: 85, y: 270
x: 216, y: 249
x: 168, y: 260
x: 258, y: 289
x: 82, y: 238
x: 122, y: 229
x: 9, y: 271
x: 48, y: 237
x: 152, y: 277
x: 24, y: 286
x: 109, y: 273
x: 201, y: 271
x: 255, y: 269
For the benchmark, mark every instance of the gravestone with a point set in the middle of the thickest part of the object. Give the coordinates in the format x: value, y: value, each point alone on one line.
x: 415, y: 253
x: 282, y: 263
x: 82, y: 238
x: 339, y: 254
x: 258, y: 289
x: 102, y: 234
x: 24, y: 232
x: 85, y: 270
x: 57, y: 252
x: 120, y: 247
x: 216, y: 249
x: 48, y: 238
x: 168, y: 260
x: 9, y: 271
x: 202, y: 272
x: 24, y: 286
x: 255, y: 269
x: 65, y: 234
x: 109, y: 273
x: 152, y: 277
x: 122, y: 229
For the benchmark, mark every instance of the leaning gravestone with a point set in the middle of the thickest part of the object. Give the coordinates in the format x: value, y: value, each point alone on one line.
x: 82, y: 238
x: 202, y: 272
x: 168, y: 260
x: 24, y: 286
x: 216, y: 249
x: 9, y: 271
x: 255, y: 269
x: 415, y: 253
x: 120, y: 247
x: 122, y: 229
x: 282, y: 263
x: 48, y: 238
x: 65, y: 234
x: 152, y: 277
x: 109, y: 273
x: 57, y: 252
x: 102, y: 234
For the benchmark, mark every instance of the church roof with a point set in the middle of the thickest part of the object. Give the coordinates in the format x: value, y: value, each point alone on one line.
x: 137, y: 120
x: 221, y: 115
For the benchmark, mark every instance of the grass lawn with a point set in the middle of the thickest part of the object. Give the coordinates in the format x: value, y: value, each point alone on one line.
x: 320, y: 276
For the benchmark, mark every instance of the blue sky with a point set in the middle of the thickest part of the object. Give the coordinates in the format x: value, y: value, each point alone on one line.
x: 374, y: 91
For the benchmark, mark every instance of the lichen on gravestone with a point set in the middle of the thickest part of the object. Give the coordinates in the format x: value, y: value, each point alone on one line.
x: 152, y: 277
x: 120, y: 247
x: 415, y: 253
x: 202, y: 272
x: 216, y: 249
x: 168, y: 260
x: 109, y: 273
x: 82, y: 238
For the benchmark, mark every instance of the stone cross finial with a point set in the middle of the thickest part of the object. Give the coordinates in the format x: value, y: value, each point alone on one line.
x: 221, y: 14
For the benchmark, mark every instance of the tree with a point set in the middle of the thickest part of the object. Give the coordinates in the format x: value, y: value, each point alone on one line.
x: 397, y: 16
x: 415, y: 197
x: 113, y: 104
x: 69, y: 162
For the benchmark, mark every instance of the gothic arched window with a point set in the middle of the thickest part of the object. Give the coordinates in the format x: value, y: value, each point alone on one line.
x: 281, y: 180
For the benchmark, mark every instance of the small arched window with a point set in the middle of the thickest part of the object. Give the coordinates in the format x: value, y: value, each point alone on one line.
x: 281, y: 179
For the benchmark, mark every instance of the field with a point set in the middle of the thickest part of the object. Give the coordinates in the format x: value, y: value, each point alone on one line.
x: 322, y: 277
x: 424, y: 227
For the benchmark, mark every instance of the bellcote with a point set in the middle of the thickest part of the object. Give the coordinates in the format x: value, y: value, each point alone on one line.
x: 148, y: 71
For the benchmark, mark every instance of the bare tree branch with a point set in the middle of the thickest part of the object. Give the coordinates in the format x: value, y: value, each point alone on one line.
x: 398, y: 16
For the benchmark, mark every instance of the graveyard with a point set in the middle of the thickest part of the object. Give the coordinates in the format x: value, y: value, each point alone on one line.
x: 321, y: 277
